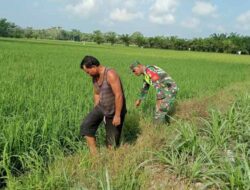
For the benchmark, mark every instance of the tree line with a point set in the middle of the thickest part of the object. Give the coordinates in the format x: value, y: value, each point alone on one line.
x: 223, y: 43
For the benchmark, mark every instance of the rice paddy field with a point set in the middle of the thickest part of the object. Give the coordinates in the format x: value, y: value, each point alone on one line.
x: 44, y: 95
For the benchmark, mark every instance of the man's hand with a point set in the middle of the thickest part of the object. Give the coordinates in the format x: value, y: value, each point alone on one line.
x: 137, y: 103
x: 116, y: 120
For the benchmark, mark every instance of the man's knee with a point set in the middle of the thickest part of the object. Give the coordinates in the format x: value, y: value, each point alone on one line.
x: 91, y: 123
x: 84, y: 129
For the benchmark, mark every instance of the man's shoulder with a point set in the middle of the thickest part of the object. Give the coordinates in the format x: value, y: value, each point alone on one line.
x: 150, y: 68
x: 156, y: 69
x: 111, y: 72
x: 112, y: 75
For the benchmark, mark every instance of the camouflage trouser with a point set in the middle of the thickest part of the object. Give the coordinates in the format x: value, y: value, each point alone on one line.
x: 166, y: 106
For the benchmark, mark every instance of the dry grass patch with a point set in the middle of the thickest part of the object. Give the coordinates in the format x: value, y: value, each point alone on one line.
x: 196, y: 108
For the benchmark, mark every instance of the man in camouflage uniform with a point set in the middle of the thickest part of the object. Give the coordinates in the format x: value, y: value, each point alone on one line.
x: 166, y: 89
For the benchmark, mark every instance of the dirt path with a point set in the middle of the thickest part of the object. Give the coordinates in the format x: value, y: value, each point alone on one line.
x: 221, y: 100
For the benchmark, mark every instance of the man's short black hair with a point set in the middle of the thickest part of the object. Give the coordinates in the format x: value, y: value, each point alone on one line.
x: 89, y: 61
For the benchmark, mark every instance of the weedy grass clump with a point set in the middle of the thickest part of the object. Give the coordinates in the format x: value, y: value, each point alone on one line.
x: 216, y: 153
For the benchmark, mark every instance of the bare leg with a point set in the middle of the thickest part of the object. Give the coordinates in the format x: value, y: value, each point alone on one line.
x: 92, y: 145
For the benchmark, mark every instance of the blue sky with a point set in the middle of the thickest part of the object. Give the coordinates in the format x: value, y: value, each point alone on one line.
x: 183, y: 18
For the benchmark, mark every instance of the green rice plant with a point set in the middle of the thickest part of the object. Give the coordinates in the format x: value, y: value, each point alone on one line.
x: 44, y: 96
x: 38, y: 175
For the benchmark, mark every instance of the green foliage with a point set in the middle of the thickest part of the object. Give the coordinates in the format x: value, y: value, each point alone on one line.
x: 125, y: 38
x: 111, y: 37
x: 131, y: 129
x: 222, y: 43
x: 138, y: 39
x: 217, y: 153
x: 98, y: 37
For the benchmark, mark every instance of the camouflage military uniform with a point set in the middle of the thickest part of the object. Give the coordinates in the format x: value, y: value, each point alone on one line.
x: 166, y: 90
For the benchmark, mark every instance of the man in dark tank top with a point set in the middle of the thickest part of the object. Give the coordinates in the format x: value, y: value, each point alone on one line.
x: 109, y: 104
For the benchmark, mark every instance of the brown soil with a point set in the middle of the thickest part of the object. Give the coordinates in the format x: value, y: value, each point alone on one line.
x: 222, y: 100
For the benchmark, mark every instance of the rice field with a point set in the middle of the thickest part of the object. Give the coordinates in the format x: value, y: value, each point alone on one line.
x: 44, y: 96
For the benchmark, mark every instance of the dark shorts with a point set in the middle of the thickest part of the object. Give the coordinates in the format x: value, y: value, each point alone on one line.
x: 91, y: 123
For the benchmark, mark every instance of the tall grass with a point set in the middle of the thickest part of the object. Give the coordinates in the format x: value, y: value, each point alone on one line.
x: 215, y: 153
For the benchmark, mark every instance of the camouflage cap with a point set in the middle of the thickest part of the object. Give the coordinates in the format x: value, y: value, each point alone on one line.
x: 134, y: 64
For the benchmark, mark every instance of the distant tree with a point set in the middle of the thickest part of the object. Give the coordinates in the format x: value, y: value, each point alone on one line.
x: 98, y: 36
x: 165, y: 43
x: 4, y: 25
x: 76, y: 35
x: 195, y: 44
x: 231, y: 43
x: 138, y: 39
x: 63, y: 35
x: 181, y: 44
x: 236, y: 42
x: 18, y: 32
x: 111, y: 37
x: 125, y: 39
x: 43, y: 34
x: 86, y: 37
x: 8, y: 29
x: 53, y: 32
x: 218, y: 41
x: 246, y: 40
x: 28, y: 32
x: 158, y: 41
x: 149, y: 42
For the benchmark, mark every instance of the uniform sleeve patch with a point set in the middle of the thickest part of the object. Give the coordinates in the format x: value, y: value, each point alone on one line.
x: 151, y: 73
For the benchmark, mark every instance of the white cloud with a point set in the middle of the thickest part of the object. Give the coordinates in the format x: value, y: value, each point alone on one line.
x: 128, y: 4
x: 191, y: 23
x: 123, y: 15
x: 162, y: 11
x: 162, y: 19
x: 83, y: 8
x: 124, y: 11
x: 244, y: 20
x: 164, y: 6
x: 204, y: 8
